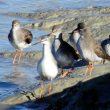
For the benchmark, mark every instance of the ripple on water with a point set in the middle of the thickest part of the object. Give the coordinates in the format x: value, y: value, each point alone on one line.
x: 35, y: 5
x: 16, y: 77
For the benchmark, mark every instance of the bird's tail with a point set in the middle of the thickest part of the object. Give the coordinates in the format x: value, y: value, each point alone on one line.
x: 107, y: 57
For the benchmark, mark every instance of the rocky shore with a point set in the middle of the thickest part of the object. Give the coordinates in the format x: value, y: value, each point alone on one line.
x: 97, y: 18
x: 75, y: 91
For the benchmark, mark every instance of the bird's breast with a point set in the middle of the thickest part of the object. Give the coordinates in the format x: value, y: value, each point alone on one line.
x: 107, y: 49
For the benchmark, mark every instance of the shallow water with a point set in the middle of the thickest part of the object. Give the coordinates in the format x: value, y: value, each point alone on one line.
x: 37, y: 5
x: 15, y: 78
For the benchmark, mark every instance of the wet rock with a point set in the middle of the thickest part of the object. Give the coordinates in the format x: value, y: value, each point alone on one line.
x: 30, y: 55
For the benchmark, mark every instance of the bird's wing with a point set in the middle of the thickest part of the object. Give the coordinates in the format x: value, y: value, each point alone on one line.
x: 10, y: 36
x: 26, y: 35
x: 99, y: 50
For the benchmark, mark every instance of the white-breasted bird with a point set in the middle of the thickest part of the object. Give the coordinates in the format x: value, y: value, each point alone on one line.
x: 88, y: 48
x: 20, y: 38
x: 64, y: 53
x: 47, y: 65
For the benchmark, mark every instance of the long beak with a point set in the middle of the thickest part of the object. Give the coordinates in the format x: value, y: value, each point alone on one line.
x: 37, y: 43
x: 41, y: 40
x: 70, y: 33
x: 51, y: 34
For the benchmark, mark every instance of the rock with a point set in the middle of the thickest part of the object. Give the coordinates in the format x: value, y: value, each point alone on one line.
x: 30, y: 55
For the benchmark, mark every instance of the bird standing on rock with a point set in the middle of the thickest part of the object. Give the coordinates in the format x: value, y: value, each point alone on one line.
x: 88, y: 47
x: 20, y: 38
x: 47, y: 65
x: 62, y: 51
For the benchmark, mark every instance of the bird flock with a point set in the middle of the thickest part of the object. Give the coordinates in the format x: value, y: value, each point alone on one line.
x: 58, y: 53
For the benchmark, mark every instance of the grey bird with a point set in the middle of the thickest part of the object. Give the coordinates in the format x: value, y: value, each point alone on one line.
x: 88, y: 47
x: 19, y: 38
x: 47, y: 65
x: 64, y: 53
x: 106, y: 45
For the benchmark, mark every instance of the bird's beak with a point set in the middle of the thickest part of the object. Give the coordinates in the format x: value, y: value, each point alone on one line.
x: 41, y: 39
x: 51, y: 34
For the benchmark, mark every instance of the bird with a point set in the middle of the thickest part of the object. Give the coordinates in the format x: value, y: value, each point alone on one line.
x: 19, y: 38
x: 64, y: 53
x: 106, y: 45
x: 47, y: 65
x: 75, y: 39
x: 88, y: 47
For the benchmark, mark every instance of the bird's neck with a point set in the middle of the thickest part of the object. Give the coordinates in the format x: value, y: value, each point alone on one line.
x: 15, y: 28
x: 47, y: 51
x: 76, y: 37
x: 56, y: 43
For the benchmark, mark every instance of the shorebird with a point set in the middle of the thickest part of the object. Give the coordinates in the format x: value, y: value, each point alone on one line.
x: 62, y: 51
x: 47, y: 65
x: 20, y: 38
x: 88, y: 47
x: 106, y: 45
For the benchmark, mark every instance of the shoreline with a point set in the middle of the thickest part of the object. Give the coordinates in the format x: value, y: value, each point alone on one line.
x: 99, y: 21
x: 71, y: 81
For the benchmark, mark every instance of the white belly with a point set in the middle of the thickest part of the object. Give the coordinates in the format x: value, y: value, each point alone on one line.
x: 23, y: 45
x: 19, y: 44
x: 89, y: 55
x: 107, y: 49
x: 86, y: 52
x: 48, y: 69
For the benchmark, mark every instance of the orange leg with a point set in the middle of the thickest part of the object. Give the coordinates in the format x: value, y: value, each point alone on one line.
x: 16, y: 53
x: 41, y: 89
x: 66, y: 73
x: 20, y: 55
x: 89, y: 68
x: 49, y: 88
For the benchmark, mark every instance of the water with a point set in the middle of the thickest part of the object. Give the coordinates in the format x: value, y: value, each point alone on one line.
x: 24, y: 75
x: 14, y: 77
x: 35, y: 5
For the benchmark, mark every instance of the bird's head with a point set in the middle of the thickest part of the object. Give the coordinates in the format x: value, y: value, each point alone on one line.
x: 56, y: 30
x: 75, y: 34
x: 109, y: 37
x: 15, y: 24
x: 45, y: 39
x: 81, y: 25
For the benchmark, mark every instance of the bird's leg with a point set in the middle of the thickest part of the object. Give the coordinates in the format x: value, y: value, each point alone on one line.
x: 67, y: 72
x: 20, y: 54
x: 91, y: 68
x: 49, y: 87
x: 103, y: 61
x: 24, y: 58
x: 16, y: 53
x: 61, y: 71
x: 41, y: 89
x: 87, y: 69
